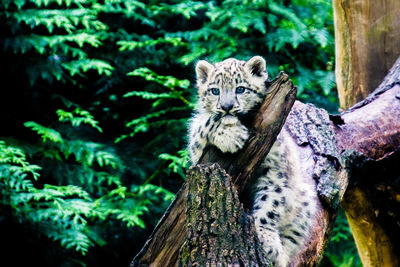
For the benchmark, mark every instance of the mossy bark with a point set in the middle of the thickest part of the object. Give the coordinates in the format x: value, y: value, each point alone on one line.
x: 219, y: 232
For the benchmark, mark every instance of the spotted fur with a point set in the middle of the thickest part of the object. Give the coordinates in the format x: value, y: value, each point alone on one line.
x: 283, y: 202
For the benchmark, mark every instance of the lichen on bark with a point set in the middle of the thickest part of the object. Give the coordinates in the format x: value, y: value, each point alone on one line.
x: 218, y: 229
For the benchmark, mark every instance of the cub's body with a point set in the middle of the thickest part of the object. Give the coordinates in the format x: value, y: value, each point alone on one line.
x: 229, y: 93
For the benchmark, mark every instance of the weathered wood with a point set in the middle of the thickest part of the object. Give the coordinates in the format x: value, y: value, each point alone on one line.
x: 362, y: 124
x: 372, y: 204
x: 171, y: 228
x: 374, y: 243
x: 218, y: 229
x: 370, y: 132
x: 367, y: 40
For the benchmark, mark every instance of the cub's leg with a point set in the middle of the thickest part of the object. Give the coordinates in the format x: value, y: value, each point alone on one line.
x: 271, y: 241
x: 199, y: 129
x: 267, y: 211
x: 270, y: 204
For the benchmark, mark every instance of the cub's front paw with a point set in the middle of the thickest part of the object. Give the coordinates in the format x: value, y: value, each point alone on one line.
x: 230, y: 136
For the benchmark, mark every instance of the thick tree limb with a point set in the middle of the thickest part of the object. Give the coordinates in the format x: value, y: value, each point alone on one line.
x: 368, y: 144
x: 370, y: 132
x: 367, y: 41
x: 364, y: 122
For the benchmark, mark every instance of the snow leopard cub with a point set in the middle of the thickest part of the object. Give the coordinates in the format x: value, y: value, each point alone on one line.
x: 283, y: 205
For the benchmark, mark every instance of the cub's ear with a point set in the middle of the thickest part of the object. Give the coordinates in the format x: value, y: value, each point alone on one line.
x: 203, y: 70
x: 257, y: 67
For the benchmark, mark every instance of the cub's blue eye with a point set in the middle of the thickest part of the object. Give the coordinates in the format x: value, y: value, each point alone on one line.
x: 215, y: 91
x: 240, y: 90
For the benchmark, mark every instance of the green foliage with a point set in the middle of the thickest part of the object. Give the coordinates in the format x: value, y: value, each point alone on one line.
x: 44, y: 132
x: 178, y: 163
x: 341, y: 250
x: 131, y: 45
x: 67, y: 213
x: 101, y: 92
x: 60, y: 33
x: 77, y: 117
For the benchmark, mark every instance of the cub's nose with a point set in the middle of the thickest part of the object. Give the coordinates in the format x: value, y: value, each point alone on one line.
x: 227, y: 106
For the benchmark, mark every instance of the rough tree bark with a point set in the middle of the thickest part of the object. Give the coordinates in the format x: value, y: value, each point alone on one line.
x: 219, y: 232
x: 367, y: 35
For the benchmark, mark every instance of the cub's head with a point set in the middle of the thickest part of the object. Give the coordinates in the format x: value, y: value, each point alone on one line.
x: 232, y: 86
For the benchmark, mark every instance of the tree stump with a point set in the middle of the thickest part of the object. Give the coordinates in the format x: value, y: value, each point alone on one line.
x: 218, y: 229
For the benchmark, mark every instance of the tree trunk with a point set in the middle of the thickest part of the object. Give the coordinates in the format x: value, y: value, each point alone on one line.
x: 372, y: 203
x: 367, y: 40
x: 367, y: 35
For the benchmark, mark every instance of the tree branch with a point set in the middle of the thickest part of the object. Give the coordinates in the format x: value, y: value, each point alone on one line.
x: 369, y: 137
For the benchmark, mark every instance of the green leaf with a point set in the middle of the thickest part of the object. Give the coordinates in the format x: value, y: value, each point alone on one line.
x: 167, y: 81
x: 77, y: 117
x: 47, y: 134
